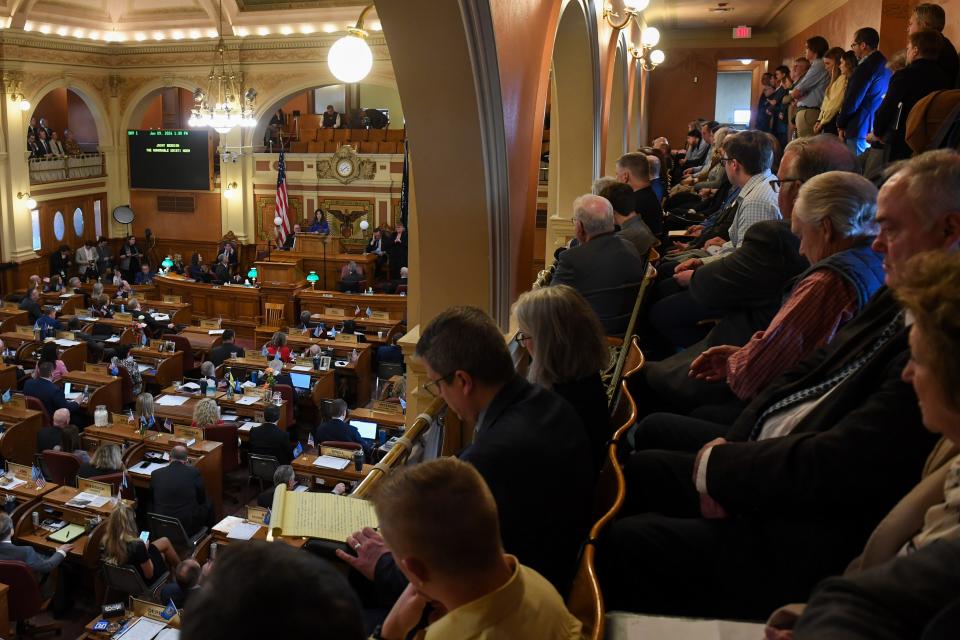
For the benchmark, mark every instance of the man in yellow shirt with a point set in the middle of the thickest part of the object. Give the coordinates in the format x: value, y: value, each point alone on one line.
x: 440, y: 521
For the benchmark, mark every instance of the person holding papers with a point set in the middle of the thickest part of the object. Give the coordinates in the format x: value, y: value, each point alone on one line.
x: 270, y: 440
x: 178, y: 492
x: 122, y: 546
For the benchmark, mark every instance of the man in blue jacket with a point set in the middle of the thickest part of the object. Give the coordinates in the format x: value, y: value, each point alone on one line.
x: 865, y: 91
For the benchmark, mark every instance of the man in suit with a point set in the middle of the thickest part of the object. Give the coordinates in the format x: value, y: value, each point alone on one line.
x: 31, y: 304
x: 187, y: 583
x: 791, y: 492
x: 865, y: 90
x: 49, y: 437
x: 43, y: 142
x: 633, y: 169
x: 51, y: 395
x: 283, y: 475
x: 397, y: 250
x: 145, y: 319
x: 226, y: 349
x: 61, y: 262
x: 524, y: 433
x: 603, y: 266
x: 928, y: 15
x: 178, y: 492
x: 394, y: 286
x: 270, y: 440
x: 222, y: 272
x: 41, y: 565
x: 336, y: 427
x: 378, y: 247
x: 921, y: 77
x: 632, y: 227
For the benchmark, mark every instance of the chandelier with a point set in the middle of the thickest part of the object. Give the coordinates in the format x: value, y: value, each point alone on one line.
x: 223, y: 105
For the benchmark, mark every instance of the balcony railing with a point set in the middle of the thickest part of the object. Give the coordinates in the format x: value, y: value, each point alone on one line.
x: 87, y: 165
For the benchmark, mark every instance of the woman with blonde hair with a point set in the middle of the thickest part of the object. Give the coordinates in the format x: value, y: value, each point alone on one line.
x: 144, y: 412
x: 568, y: 351
x: 206, y: 413
x: 106, y: 459
x: 122, y: 546
x: 833, y: 99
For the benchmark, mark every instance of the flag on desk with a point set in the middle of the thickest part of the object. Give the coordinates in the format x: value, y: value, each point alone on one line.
x: 316, y: 331
x: 310, y: 441
x: 124, y: 480
x: 37, y: 475
x: 369, y: 312
x: 284, y: 228
x: 297, y: 451
x: 169, y: 611
x: 357, y: 311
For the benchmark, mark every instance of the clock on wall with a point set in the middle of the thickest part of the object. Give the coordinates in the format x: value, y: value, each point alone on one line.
x: 346, y: 166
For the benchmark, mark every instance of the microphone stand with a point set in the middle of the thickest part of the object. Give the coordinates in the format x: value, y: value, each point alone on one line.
x: 324, y: 245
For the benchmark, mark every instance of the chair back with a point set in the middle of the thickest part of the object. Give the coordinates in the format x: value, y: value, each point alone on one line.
x: 23, y: 599
x: 172, y: 529
x: 226, y: 434
x: 62, y: 467
x: 36, y: 405
x: 125, y: 580
x: 340, y: 444
x: 614, y: 305
x: 273, y: 314
x: 114, y: 480
x: 287, y: 394
x: 262, y: 467
x: 182, y: 344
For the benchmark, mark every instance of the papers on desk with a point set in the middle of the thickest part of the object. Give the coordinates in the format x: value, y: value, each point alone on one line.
x: 87, y: 318
x: 330, y: 462
x: 113, y: 339
x: 64, y: 342
x: 248, y: 400
x: 227, y: 524
x: 140, y: 470
x: 247, y: 426
x: 301, y: 367
x: 73, y: 395
x: 216, y: 332
x: 143, y: 367
x: 10, y: 482
x: 189, y: 386
x: 340, y: 363
x: 87, y: 499
x: 229, y: 418
x: 168, y: 634
x: 66, y: 295
x: 171, y: 401
x: 141, y: 629
x: 160, y: 317
x: 248, y: 385
x: 243, y: 531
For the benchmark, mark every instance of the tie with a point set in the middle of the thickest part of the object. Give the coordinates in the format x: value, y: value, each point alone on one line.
x: 818, y: 390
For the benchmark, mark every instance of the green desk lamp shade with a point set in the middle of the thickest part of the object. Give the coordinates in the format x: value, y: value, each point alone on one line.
x: 312, y: 277
x: 167, y: 262
x: 252, y: 273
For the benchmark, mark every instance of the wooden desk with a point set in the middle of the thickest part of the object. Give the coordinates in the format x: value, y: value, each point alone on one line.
x: 73, y: 356
x: 331, y: 264
x: 8, y: 376
x: 26, y: 496
x: 10, y: 317
x: 387, y: 421
x: 247, y: 411
x: 179, y: 312
x: 110, y: 290
x: 104, y: 389
x: 201, y: 341
x: 222, y: 540
x: 165, y: 366
x: 4, y: 609
x: 205, y: 455
x: 317, y: 301
x: 327, y: 478
x: 68, y: 302
x: 239, y: 306
x: 19, y: 442
x: 289, y: 271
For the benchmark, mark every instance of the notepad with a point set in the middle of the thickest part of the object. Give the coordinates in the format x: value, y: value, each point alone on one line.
x: 171, y: 401
x: 73, y: 396
x: 331, y: 462
x: 67, y: 534
x: 227, y: 524
x: 141, y: 629
x: 247, y: 426
x: 87, y: 318
x: 301, y: 367
x: 10, y: 482
x: 243, y: 531
x: 229, y: 418
x: 65, y: 342
x: 216, y: 332
x: 148, y: 470
x: 319, y: 515
x: 248, y: 400
x: 190, y: 386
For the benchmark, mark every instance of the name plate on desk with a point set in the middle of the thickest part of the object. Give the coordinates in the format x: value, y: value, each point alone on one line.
x: 336, y: 452
x: 101, y: 489
x: 387, y: 407
x: 153, y: 611
x: 17, y: 402
x: 68, y: 335
x: 188, y: 433
x: 20, y: 471
x: 257, y: 515
x: 24, y: 330
x: 174, y: 299
x: 209, y: 324
x: 333, y: 311
x: 11, y: 306
x: 346, y: 337
x: 256, y: 357
x: 96, y: 368
x: 379, y: 315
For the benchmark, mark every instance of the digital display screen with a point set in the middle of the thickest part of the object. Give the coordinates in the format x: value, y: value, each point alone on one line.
x: 169, y: 159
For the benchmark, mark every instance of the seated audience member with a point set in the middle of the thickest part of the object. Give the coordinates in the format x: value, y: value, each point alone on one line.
x: 656, y: 179
x: 461, y: 566
x: 104, y: 257
x: 806, y: 451
x: 632, y: 227
x: 351, y: 277
x: 70, y: 443
x: 291, y: 239
x: 195, y: 270
x: 156, y: 327
x: 50, y: 353
x: 834, y: 219
x: 567, y: 349
x: 394, y: 285
x: 696, y: 149
x: 31, y: 304
x: 51, y: 437
x: 283, y: 475
x: 634, y: 171
x: 319, y: 223
x: 48, y: 323
x: 178, y: 491
x: 106, y: 460
x: 336, y: 428
x: 524, y: 433
x: 122, y: 546
x: 226, y: 349
x: 206, y: 413
x: 144, y: 414
x: 277, y: 347
x: 305, y: 322
x: 297, y: 595
x: 921, y: 77
x: 701, y: 158
x: 54, y: 284
x: 144, y: 276
x: 269, y: 439
x: 870, y: 601
x: 41, y: 565
x: 43, y: 389
x: 186, y: 583
x: 100, y: 307
x: 603, y: 267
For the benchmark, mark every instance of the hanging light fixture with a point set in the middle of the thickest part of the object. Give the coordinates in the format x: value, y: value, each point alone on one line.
x: 350, y: 58
x: 224, y: 105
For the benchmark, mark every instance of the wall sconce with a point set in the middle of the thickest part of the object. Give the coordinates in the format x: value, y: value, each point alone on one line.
x: 30, y: 203
x: 648, y: 59
x: 645, y: 54
x: 230, y: 190
x: 19, y: 97
x: 350, y: 58
x: 632, y: 8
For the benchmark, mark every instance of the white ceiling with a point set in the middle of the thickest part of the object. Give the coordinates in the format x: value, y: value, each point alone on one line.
x: 695, y: 14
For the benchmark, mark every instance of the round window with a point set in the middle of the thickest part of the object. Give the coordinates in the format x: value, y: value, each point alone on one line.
x: 78, y: 222
x: 58, y: 226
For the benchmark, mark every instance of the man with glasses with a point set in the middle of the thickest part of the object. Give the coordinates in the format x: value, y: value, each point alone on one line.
x: 528, y: 444
x: 865, y: 91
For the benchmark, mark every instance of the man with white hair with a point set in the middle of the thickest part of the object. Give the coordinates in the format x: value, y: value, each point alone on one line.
x: 42, y: 565
x: 603, y: 266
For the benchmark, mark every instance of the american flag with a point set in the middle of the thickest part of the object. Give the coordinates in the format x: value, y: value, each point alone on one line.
x: 282, y: 205
x: 38, y: 480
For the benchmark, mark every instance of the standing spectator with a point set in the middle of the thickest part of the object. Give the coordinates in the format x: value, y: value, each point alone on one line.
x: 762, y: 121
x: 130, y: 257
x: 104, y: 256
x: 86, y: 258
x: 775, y: 107
x: 61, y: 262
x: 865, y: 91
x: 397, y: 250
x: 331, y: 118
x: 809, y: 91
x: 928, y: 15
x: 833, y: 99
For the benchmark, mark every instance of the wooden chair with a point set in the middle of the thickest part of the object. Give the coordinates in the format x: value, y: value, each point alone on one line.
x: 341, y: 135
x: 359, y: 135
x: 307, y: 135
x: 226, y: 434
x: 24, y: 600
x: 287, y: 394
x: 274, y: 314
x: 368, y: 147
x: 315, y: 147
x: 331, y: 146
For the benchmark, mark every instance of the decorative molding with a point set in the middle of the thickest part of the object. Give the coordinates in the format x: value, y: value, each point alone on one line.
x: 360, y: 168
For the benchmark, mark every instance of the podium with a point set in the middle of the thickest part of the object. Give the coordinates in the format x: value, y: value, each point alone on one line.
x: 288, y: 270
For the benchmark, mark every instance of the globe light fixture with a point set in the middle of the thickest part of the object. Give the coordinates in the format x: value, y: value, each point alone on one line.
x: 350, y: 58
x: 29, y: 203
x: 657, y: 57
x: 24, y: 105
x: 635, y: 6
x: 649, y: 37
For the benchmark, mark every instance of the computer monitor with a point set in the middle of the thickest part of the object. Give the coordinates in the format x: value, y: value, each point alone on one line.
x: 301, y: 380
x: 67, y: 388
x: 368, y: 430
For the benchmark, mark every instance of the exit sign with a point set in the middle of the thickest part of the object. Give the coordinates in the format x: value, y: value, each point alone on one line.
x: 740, y: 33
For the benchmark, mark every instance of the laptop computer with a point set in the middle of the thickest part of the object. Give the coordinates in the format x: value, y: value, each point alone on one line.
x: 368, y: 430
x: 301, y: 381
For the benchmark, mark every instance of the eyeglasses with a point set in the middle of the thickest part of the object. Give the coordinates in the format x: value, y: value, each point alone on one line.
x: 776, y: 184
x: 522, y: 337
x: 855, y: 44
x: 724, y: 161
x: 433, y: 386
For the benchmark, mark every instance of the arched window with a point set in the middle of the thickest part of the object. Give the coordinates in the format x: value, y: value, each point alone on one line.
x: 58, y: 226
